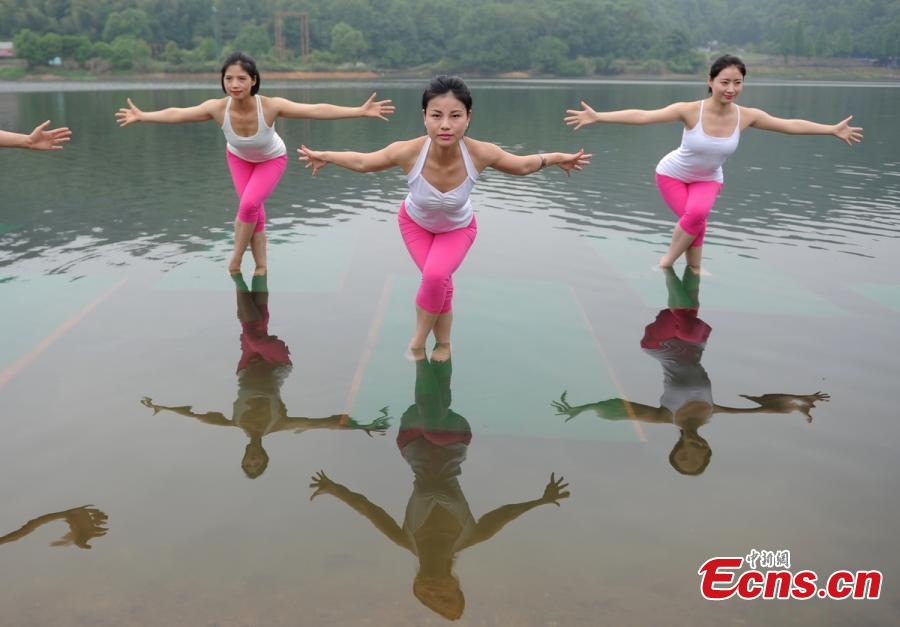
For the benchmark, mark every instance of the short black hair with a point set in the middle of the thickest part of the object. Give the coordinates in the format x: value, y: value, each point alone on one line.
x: 444, y: 84
x: 248, y: 65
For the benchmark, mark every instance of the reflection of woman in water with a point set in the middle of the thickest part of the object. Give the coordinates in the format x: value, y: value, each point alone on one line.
x: 433, y: 440
x: 676, y: 339
x: 264, y: 365
x: 85, y: 524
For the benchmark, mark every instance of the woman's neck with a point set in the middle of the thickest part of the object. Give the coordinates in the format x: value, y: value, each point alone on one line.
x: 717, y: 107
x: 445, y: 155
x: 244, y: 104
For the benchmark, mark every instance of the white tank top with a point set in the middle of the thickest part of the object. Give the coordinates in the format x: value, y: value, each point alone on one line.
x: 700, y: 156
x: 265, y: 145
x: 433, y: 209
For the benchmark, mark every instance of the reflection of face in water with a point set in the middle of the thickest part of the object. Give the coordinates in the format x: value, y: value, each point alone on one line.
x: 677, y: 339
x: 263, y: 367
x: 438, y: 524
x: 434, y: 440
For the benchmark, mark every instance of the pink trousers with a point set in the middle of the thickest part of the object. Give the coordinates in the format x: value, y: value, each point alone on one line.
x: 253, y: 183
x: 691, y: 202
x: 437, y: 255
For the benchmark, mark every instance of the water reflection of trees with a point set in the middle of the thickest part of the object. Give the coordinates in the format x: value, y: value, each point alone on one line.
x: 677, y: 339
x: 263, y: 367
x: 438, y: 524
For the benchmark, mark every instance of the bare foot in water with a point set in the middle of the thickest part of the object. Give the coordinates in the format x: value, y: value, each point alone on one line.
x: 665, y: 262
x: 441, y: 351
x: 415, y: 353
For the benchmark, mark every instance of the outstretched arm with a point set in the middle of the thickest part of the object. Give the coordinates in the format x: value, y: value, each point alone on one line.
x: 397, y: 154
x: 375, y: 515
x: 371, y: 108
x: 173, y: 115
x: 29, y: 527
x: 337, y: 421
x: 491, y: 523
x: 842, y: 130
x: 85, y: 523
x: 491, y: 155
x: 38, y: 139
x: 210, y: 418
x: 675, y: 112
x: 777, y: 404
x: 612, y: 409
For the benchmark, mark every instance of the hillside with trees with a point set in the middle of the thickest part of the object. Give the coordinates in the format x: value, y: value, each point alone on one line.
x: 556, y: 37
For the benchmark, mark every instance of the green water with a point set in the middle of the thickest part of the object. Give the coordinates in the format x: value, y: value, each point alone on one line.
x: 112, y: 258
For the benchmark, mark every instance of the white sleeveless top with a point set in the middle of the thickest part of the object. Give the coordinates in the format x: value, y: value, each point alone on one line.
x: 435, y: 210
x: 265, y: 145
x: 700, y: 156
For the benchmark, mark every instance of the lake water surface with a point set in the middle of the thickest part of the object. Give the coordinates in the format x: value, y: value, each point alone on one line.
x: 137, y: 379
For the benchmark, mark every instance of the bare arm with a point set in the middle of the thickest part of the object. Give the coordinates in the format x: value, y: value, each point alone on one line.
x: 30, y: 526
x: 777, y: 404
x: 490, y: 155
x: 613, y: 409
x: 371, y: 108
x: 675, y: 112
x: 210, y: 418
x: 173, y: 115
x: 374, y: 514
x: 397, y: 154
x: 38, y: 139
x: 337, y: 421
x: 491, y: 523
x: 842, y: 130
x: 85, y: 523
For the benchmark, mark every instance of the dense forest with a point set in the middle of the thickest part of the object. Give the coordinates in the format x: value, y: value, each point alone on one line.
x: 564, y: 37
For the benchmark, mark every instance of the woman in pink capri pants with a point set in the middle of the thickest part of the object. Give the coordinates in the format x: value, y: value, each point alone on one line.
x: 256, y: 154
x: 437, y: 220
x: 690, y: 177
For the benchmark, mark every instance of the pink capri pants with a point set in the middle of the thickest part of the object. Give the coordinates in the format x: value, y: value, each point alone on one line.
x: 437, y: 255
x: 253, y: 183
x: 691, y: 202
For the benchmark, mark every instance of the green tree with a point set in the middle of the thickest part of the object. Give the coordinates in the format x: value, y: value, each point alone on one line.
x: 348, y: 43
x: 128, y: 23
x: 494, y: 37
x: 549, y: 54
x: 254, y: 40
x: 28, y: 46
x: 129, y: 53
x: 77, y: 47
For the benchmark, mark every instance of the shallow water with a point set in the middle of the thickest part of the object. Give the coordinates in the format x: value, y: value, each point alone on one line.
x: 112, y: 258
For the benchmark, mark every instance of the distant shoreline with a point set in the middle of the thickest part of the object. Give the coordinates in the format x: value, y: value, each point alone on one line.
x: 780, y: 72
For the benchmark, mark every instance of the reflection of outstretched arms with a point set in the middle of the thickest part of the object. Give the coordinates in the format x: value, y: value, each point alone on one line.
x: 337, y: 421
x: 85, y: 523
x: 777, y: 404
x: 376, y: 515
x: 211, y: 417
x: 491, y: 523
x: 612, y: 409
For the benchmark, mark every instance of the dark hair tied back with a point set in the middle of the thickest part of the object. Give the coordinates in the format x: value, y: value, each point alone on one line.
x: 247, y: 64
x: 444, y: 84
x: 725, y: 61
